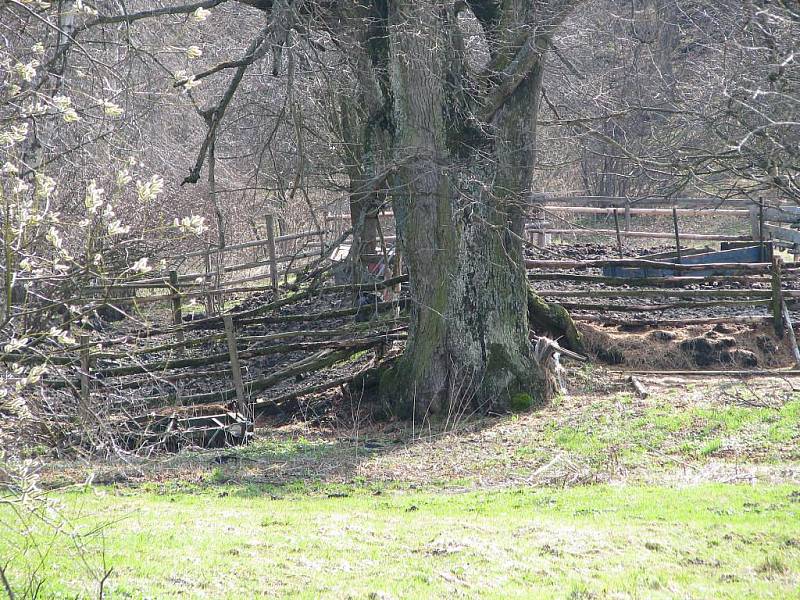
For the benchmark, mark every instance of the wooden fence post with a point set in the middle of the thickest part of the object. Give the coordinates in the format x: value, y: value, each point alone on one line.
x: 207, y: 282
x: 627, y: 214
x: 84, y: 410
x: 777, y: 296
x: 322, y: 233
x: 219, y: 275
x: 236, y: 370
x: 177, y: 310
x: 619, y: 237
x: 677, y: 235
x: 761, y: 227
x: 755, y: 227
x: 273, y: 264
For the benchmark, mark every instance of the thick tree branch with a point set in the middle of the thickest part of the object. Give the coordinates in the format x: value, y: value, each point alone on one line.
x: 257, y: 49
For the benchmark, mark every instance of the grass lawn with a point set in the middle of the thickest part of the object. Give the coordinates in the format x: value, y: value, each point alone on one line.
x: 350, y: 541
x: 692, y: 492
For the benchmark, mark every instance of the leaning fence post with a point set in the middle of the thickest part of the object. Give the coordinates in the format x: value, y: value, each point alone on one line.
x: 787, y: 320
x: 83, y: 341
x: 273, y: 263
x: 236, y: 370
x: 177, y: 311
x: 777, y: 296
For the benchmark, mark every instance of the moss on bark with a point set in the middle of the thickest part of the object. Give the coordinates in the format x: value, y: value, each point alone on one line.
x: 554, y: 320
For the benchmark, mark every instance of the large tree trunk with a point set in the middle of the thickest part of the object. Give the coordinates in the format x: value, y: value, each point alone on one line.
x: 469, y: 336
x: 362, y: 126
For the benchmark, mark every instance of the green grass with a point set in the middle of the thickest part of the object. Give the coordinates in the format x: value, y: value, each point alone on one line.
x: 341, y: 518
x: 310, y: 541
x: 699, y: 431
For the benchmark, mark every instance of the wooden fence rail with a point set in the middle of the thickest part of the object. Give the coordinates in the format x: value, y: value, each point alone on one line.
x: 638, y: 234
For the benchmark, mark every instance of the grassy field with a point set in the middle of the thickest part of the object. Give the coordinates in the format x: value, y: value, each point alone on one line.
x: 707, y: 541
x: 692, y: 492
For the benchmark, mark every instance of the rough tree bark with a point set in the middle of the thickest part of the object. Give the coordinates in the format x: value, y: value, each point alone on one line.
x: 362, y: 125
x: 465, y: 146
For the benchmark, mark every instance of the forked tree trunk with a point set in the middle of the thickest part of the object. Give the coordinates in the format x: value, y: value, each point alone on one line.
x: 469, y: 338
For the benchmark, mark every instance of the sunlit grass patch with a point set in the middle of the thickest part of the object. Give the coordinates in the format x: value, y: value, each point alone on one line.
x: 354, y: 541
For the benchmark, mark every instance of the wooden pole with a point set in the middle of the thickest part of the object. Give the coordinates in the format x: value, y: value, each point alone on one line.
x: 325, y: 221
x: 207, y: 282
x: 777, y: 296
x: 236, y: 369
x: 84, y: 411
x: 787, y: 318
x: 619, y: 237
x: 177, y: 310
x: 755, y: 231
x: 273, y: 265
x: 677, y: 235
x: 761, y: 227
x: 627, y: 215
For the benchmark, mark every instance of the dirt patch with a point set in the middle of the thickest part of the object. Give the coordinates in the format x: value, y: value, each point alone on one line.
x: 728, y: 346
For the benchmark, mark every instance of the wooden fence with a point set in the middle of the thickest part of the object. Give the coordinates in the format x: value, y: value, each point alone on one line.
x: 764, y: 220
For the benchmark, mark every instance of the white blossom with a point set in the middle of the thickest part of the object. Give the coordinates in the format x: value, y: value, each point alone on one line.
x: 151, y: 188
x: 26, y: 71
x: 141, y: 266
x: 17, y: 133
x: 54, y: 237
x: 15, y: 344
x: 94, y: 197
x: 62, y: 336
x: 116, y: 228
x: 62, y: 103
x: 193, y: 224
x: 70, y: 115
x: 190, y: 83
x: 112, y: 109
x: 123, y: 178
x: 19, y: 186
x: 85, y: 8
x: 193, y: 52
x: 201, y: 14
x: 33, y: 376
x: 44, y: 185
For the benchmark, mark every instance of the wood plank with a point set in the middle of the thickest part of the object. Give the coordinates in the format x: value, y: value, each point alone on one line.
x: 643, y: 234
x: 666, y: 212
x: 782, y: 233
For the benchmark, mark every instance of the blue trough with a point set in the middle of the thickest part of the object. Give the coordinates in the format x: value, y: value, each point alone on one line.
x: 746, y: 254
